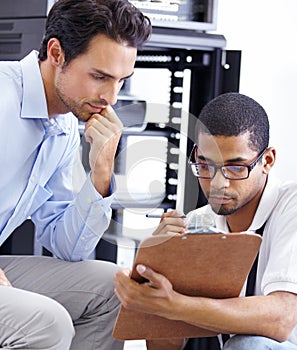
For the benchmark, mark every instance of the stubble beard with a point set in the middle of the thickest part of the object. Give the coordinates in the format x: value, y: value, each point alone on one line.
x: 225, y: 210
x: 221, y: 210
x: 73, y: 107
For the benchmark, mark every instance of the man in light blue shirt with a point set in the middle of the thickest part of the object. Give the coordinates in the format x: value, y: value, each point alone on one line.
x: 88, y: 50
x: 38, y: 162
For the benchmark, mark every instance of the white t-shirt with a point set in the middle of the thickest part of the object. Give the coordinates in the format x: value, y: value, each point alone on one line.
x: 277, y: 264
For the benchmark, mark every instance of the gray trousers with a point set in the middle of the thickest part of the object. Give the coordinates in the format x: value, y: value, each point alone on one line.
x: 57, y: 305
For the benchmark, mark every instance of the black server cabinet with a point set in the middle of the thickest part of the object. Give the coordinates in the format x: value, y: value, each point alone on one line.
x: 214, y: 70
x: 21, y: 27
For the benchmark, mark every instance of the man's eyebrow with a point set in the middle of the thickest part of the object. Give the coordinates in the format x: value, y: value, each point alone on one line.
x: 232, y: 160
x: 99, y: 71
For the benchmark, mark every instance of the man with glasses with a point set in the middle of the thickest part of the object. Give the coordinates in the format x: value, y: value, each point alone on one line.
x: 232, y: 160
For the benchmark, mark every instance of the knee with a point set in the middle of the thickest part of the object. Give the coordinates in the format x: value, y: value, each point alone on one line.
x: 98, y: 276
x: 52, y: 328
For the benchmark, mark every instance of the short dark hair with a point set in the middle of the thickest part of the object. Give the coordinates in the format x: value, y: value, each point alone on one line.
x: 233, y: 114
x: 75, y: 22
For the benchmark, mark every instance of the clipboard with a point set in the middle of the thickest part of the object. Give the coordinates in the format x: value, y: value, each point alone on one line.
x: 208, y: 265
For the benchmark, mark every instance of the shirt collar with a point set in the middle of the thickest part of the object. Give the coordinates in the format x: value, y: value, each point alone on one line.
x: 34, y: 101
x: 267, y: 203
x: 34, y: 104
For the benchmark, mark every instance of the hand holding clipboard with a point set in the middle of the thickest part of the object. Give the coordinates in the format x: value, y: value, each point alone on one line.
x: 213, y: 265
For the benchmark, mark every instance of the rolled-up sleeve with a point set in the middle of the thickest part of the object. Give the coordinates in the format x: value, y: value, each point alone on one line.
x: 74, y: 233
x: 95, y: 213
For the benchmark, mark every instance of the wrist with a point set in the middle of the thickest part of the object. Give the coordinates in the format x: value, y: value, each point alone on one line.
x: 175, y: 308
x: 101, y: 182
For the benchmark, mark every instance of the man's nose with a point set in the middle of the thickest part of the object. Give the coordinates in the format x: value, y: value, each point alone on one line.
x: 110, y: 94
x: 219, y: 179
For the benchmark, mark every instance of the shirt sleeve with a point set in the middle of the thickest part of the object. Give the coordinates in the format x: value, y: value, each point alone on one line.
x: 75, y: 231
x: 70, y: 224
x: 278, y: 258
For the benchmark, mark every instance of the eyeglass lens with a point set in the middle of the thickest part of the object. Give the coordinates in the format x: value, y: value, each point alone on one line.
x: 229, y: 171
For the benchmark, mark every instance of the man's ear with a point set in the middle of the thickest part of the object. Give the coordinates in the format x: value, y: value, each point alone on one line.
x: 55, y: 53
x: 268, y: 159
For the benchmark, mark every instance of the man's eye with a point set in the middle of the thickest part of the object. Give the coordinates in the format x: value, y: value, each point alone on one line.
x: 98, y: 77
x: 204, y: 166
x: 236, y: 169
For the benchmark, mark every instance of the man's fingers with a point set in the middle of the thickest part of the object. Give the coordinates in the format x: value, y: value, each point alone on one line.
x: 173, y: 213
x: 110, y: 114
x: 126, y: 289
x: 5, y: 282
x: 3, y: 279
x: 171, y: 225
x: 155, y: 279
x: 108, y: 118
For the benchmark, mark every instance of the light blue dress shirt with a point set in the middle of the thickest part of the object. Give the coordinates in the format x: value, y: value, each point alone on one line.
x: 36, y: 160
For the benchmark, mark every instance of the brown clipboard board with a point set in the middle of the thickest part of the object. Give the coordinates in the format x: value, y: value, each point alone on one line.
x: 210, y: 265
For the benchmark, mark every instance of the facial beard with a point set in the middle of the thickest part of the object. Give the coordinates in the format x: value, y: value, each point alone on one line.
x: 70, y: 104
x: 73, y: 107
x: 221, y: 210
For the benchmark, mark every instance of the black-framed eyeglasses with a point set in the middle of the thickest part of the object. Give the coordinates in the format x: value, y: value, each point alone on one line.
x: 230, y: 172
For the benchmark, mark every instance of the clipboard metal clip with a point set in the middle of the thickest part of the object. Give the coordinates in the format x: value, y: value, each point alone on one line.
x: 202, y: 230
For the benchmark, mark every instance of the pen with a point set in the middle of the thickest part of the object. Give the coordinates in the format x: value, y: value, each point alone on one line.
x: 159, y: 216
